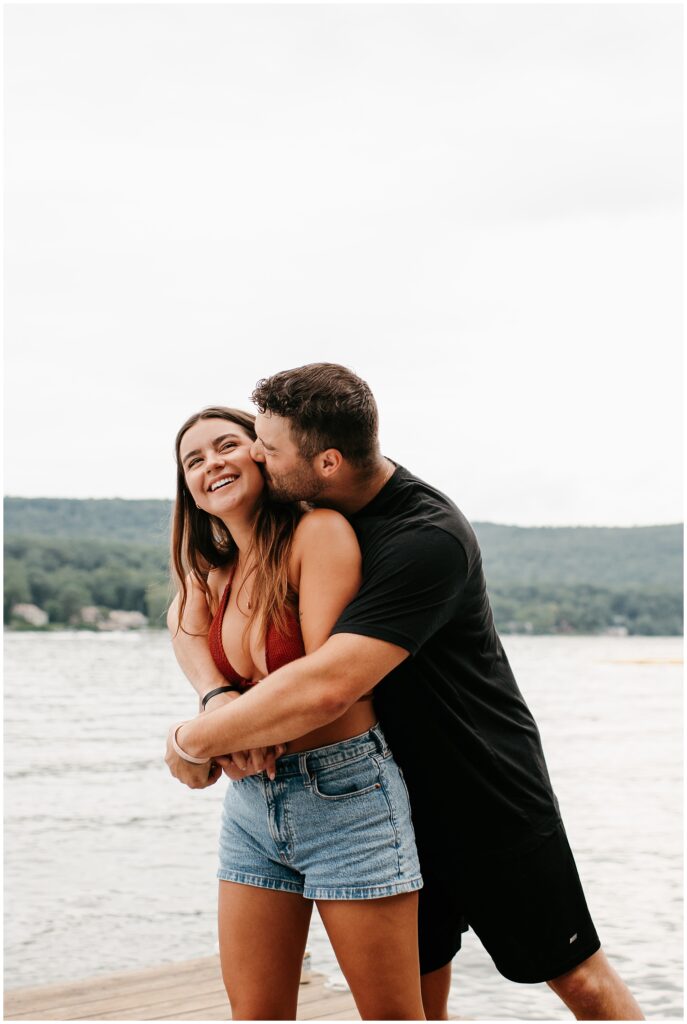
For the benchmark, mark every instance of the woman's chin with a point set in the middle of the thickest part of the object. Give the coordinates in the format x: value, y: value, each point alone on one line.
x: 236, y: 504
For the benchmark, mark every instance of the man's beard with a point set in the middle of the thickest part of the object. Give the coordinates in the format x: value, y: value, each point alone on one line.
x: 299, y: 485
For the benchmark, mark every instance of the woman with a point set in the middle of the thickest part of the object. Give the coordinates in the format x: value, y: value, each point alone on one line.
x: 333, y: 823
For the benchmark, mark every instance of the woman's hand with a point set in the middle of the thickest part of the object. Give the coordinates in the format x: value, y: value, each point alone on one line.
x: 243, y: 763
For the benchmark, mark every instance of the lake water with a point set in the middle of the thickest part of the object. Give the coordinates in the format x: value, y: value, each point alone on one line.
x: 110, y: 863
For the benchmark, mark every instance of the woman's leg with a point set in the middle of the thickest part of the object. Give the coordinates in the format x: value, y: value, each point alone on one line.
x: 375, y: 942
x: 262, y: 937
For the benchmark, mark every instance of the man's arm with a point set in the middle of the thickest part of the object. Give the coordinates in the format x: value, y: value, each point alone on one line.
x: 300, y: 697
x: 408, y: 596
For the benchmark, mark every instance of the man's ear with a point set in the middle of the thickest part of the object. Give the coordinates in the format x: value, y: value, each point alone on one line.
x: 329, y: 462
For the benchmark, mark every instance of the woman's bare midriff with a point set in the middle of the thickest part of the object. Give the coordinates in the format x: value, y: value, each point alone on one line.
x: 358, y: 719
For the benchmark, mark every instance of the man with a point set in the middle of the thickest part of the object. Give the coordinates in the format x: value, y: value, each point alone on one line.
x: 491, y: 841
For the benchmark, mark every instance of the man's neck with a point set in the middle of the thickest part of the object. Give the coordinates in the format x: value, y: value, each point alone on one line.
x: 354, y: 490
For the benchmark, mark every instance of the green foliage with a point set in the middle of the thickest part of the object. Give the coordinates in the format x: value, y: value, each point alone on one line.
x: 601, y: 556
x: 17, y: 589
x: 69, y: 599
x: 141, y: 522
x: 648, y: 611
x: 157, y: 599
x: 63, y: 554
x: 63, y: 575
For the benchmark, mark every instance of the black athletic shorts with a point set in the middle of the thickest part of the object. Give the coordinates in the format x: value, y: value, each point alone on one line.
x: 528, y: 910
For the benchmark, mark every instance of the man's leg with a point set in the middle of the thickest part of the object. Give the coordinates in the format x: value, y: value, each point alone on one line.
x: 441, y: 923
x: 530, y: 913
x: 435, y: 991
x: 594, y: 991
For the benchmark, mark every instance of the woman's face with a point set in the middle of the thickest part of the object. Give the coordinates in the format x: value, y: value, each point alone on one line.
x: 220, y: 474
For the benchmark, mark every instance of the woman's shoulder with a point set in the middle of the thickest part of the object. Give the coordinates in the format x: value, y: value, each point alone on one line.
x: 322, y: 533
x: 322, y: 525
x: 323, y: 537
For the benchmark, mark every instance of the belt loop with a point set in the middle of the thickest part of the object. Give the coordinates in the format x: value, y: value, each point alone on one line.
x: 379, y: 738
x: 303, y: 768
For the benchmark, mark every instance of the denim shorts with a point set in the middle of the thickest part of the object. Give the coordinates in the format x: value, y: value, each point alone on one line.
x: 334, y: 825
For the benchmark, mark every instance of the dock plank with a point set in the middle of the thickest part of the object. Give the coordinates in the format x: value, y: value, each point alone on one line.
x: 217, y: 1013
x: 191, y: 990
x: 70, y: 993
x: 337, y: 1002
x: 341, y: 1015
x: 135, y: 1003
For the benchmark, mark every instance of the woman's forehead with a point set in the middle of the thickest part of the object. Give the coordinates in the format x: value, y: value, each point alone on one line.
x: 207, y: 431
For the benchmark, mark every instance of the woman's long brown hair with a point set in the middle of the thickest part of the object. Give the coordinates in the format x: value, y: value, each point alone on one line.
x: 201, y: 542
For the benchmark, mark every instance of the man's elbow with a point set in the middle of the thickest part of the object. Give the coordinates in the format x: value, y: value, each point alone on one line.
x: 347, y: 667
x: 332, y: 702
x: 333, y: 699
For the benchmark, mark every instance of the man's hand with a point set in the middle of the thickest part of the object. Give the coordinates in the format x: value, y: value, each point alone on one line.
x: 195, y: 776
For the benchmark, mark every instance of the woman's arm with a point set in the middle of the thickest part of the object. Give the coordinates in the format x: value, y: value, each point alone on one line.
x: 192, y: 652
x: 190, y: 642
x: 328, y: 564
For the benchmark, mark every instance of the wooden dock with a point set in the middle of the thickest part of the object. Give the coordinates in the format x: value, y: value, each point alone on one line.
x: 191, y: 990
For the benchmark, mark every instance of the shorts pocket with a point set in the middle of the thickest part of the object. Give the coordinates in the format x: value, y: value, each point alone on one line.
x: 347, y: 779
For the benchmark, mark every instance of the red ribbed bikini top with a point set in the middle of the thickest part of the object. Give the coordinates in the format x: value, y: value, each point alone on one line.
x: 280, y: 649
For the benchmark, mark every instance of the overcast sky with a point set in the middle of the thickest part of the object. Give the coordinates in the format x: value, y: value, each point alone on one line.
x: 477, y: 208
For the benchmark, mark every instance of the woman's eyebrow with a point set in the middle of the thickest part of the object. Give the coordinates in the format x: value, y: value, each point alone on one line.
x: 223, y: 437
x: 217, y: 441
x: 196, y: 451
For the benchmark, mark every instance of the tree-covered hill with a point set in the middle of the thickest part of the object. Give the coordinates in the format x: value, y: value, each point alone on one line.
x: 110, y: 519
x: 603, y: 556
x: 63, y: 554
x: 64, y: 575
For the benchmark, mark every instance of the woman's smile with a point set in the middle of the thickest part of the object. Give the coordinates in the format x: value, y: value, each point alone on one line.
x: 218, y: 468
x: 222, y: 482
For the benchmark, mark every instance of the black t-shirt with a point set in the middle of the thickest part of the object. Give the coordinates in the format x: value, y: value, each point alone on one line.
x: 452, y: 712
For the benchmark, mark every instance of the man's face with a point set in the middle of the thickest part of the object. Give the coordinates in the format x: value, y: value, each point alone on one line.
x: 289, y: 477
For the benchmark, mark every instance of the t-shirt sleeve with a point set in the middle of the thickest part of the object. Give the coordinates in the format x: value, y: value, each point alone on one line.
x: 411, y: 588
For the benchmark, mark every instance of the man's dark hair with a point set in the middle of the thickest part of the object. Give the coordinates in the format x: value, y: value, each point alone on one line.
x: 328, y: 407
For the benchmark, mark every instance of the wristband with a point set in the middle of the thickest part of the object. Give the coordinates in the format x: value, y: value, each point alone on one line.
x: 182, y: 753
x: 220, y: 689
